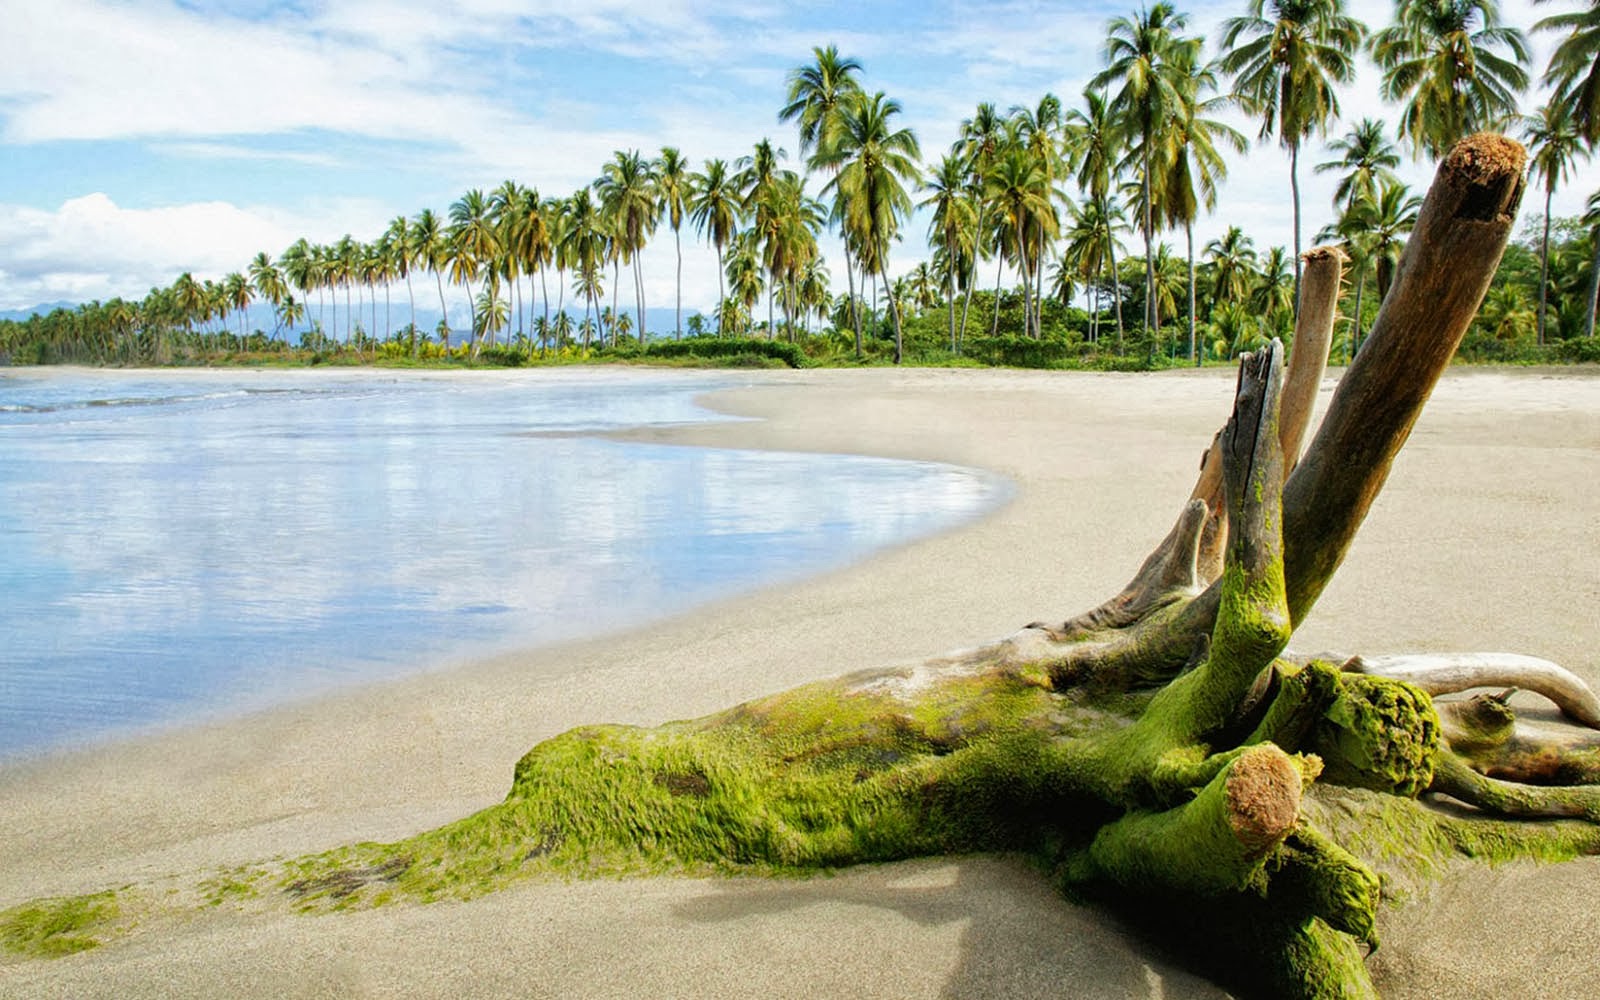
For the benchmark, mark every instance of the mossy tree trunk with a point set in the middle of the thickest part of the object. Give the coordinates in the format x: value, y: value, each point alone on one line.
x: 1159, y: 754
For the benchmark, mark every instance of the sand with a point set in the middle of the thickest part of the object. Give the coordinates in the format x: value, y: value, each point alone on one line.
x: 1487, y: 538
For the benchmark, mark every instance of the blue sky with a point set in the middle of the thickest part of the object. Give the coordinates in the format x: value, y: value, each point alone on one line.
x: 145, y: 138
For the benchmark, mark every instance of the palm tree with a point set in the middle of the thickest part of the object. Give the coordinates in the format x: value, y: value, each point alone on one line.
x: 585, y: 244
x: 1554, y: 145
x: 431, y: 248
x: 1038, y: 130
x: 758, y: 174
x: 1388, y: 220
x: 1091, y: 247
x: 954, y: 225
x: 817, y: 96
x: 874, y: 161
x: 473, y: 245
x: 1191, y: 166
x: 1018, y: 190
x: 981, y: 138
x: 1454, y: 66
x: 269, y: 284
x: 1285, y: 69
x: 1232, y: 260
x: 1367, y: 158
x: 1144, y: 59
x: 397, y: 238
x: 714, y: 209
x: 237, y: 295
x: 627, y: 190
x: 1090, y: 141
x: 1574, y: 69
x: 673, y: 191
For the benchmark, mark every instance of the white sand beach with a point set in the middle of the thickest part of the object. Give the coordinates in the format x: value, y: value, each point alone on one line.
x: 1486, y: 538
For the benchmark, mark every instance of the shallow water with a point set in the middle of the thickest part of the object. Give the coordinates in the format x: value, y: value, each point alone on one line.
x: 177, y: 545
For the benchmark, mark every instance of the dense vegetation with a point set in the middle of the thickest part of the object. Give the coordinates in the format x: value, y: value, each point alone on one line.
x: 1070, y: 203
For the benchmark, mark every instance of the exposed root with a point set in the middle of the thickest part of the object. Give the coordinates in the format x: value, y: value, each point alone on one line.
x: 1449, y: 673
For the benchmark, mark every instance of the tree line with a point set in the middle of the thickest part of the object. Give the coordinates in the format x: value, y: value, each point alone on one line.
x: 1145, y: 152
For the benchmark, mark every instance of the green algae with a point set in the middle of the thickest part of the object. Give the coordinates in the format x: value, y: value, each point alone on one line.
x: 53, y: 928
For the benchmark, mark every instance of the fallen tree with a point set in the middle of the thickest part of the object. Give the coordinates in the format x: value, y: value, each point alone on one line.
x: 1162, y: 755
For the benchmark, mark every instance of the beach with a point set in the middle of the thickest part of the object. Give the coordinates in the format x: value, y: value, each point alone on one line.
x: 1487, y: 537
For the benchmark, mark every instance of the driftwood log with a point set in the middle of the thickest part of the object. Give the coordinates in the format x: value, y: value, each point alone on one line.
x: 1161, y: 755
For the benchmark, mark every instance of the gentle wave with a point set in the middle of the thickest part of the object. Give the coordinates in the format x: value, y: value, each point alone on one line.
x: 175, y: 400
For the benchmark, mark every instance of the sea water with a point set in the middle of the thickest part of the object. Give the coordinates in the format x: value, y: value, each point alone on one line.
x: 178, y: 545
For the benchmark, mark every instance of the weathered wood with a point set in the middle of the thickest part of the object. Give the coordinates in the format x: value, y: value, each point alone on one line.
x: 1454, y: 250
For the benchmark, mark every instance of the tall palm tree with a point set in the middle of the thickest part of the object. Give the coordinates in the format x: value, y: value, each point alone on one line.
x: 714, y: 209
x: 1090, y: 142
x: 1091, y: 239
x: 1367, y: 159
x: 1454, y: 66
x: 473, y: 246
x: 398, y: 240
x: 673, y: 193
x: 1191, y: 166
x: 758, y: 174
x: 1144, y: 62
x: 1039, y: 130
x: 1019, y: 193
x: 237, y: 294
x: 1285, y: 69
x: 979, y: 144
x: 627, y: 189
x: 1272, y: 296
x: 585, y: 244
x: 1232, y: 260
x: 431, y: 248
x: 1388, y: 221
x: 269, y: 284
x: 875, y: 160
x: 1574, y: 69
x: 1554, y: 146
x: 817, y: 95
x: 954, y: 226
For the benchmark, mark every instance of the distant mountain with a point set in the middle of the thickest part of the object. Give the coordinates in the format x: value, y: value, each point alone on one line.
x: 42, y: 309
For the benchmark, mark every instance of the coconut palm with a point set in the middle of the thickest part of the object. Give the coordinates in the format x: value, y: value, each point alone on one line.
x: 585, y: 244
x: 627, y: 190
x: 1019, y: 194
x: 1574, y: 69
x: 817, y: 95
x: 473, y: 246
x: 1454, y: 66
x: 1367, y: 159
x: 269, y: 284
x: 954, y: 225
x: 1190, y: 166
x: 1038, y: 130
x: 714, y: 209
x: 874, y: 160
x: 1272, y: 296
x: 398, y: 239
x: 1145, y: 64
x: 1388, y: 221
x: 1285, y: 70
x: 673, y: 192
x: 430, y: 248
x: 1232, y: 260
x: 1091, y: 242
x: 980, y: 140
x: 1554, y: 146
x: 1090, y: 141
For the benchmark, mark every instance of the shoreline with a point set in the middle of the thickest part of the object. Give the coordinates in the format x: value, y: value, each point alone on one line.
x: 1483, y: 539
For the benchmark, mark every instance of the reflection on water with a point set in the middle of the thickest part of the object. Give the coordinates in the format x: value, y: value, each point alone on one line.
x: 176, y: 544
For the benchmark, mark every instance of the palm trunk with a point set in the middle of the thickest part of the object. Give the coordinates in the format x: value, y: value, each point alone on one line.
x: 1116, y: 282
x: 677, y: 239
x: 950, y: 291
x: 1355, y: 323
x: 972, y: 276
x: 1151, y: 320
x: 444, y: 313
x: 1000, y: 263
x: 638, y: 290
x: 1294, y: 187
x: 1544, y: 260
x: 894, y: 307
x: 855, y: 313
x: 722, y: 295
x: 1188, y: 230
x: 411, y: 296
x: 1594, y: 284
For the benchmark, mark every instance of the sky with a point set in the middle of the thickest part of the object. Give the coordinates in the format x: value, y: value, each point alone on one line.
x: 144, y: 138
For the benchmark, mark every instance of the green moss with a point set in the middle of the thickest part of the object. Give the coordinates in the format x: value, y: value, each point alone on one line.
x: 1378, y: 733
x: 51, y: 928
